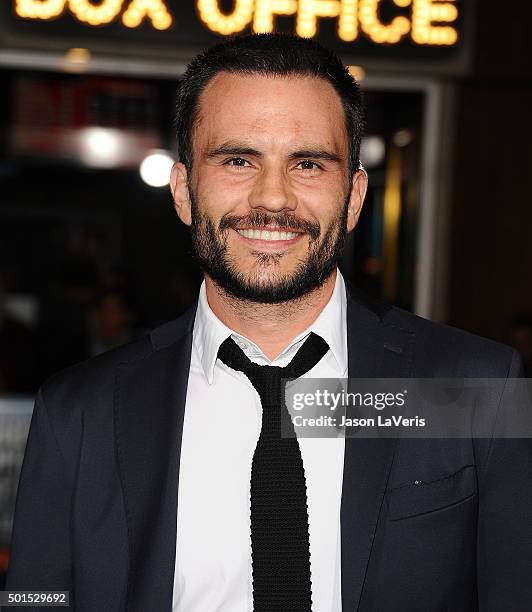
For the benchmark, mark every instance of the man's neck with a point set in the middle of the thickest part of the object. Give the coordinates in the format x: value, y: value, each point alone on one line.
x: 270, y: 326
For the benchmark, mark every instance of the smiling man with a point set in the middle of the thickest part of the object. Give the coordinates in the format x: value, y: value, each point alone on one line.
x: 156, y: 476
x: 272, y: 192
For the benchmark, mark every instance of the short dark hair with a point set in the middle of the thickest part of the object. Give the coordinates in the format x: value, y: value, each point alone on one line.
x: 268, y: 54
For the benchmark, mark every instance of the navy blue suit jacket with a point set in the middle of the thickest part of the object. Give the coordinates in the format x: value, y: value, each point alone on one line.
x: 97, y: 501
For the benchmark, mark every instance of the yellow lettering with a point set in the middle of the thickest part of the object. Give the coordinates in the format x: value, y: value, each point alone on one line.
x: 345, y: 10
x: 266, y: 9
x: 348, y: 20
x: 39, y: 9
x: 155, y: 10
x: 103, y: 12
x: 211, y: 15
x: 424, y: 13
x: 377, y: 31
x: 352, y: 15
x: 310, y: 10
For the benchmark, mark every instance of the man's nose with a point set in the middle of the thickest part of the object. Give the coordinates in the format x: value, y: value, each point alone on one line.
x: 272, y: 191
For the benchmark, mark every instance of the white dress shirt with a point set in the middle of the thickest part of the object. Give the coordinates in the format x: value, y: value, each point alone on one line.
x: 221, y: 427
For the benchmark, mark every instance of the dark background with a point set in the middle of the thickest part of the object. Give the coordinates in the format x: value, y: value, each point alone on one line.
x: 491, y: 250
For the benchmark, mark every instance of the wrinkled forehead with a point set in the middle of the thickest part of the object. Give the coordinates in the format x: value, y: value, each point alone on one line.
x: 270, y: 109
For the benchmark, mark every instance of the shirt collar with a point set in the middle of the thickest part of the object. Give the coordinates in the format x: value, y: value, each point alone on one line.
x: 210, y: 332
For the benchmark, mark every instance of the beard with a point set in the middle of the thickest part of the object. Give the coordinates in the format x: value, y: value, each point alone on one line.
x: 212, y: 253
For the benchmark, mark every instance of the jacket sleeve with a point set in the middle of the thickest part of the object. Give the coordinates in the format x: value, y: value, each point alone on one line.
x: 504, y: 552
x: 40, y: 546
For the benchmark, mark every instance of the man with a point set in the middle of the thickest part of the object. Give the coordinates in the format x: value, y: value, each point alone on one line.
x: 135, y: 490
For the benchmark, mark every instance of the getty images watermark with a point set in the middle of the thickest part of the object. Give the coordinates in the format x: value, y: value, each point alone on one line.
x: 408, y: 407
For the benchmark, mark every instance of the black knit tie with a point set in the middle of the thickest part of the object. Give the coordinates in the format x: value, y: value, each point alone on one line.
x: 279, y: 518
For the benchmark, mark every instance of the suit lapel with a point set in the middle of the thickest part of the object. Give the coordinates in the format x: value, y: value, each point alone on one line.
x: 150, y: 395
x: 375, y: 349
x: 150, y: 398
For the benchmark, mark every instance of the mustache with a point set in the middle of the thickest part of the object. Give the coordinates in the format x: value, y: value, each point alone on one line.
x: 282, y: 221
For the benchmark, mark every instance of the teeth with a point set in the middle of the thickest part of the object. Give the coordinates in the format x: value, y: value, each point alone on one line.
x: 267, y: 235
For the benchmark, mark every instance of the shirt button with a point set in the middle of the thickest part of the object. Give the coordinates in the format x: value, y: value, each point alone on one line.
x: 242, y: 345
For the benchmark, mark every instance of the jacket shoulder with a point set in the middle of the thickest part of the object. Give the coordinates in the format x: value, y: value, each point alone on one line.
x: 450, y: 351
x: 439, y: 349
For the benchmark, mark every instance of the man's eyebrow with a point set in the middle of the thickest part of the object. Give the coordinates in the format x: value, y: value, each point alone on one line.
x: 234, y: 148
x: 316, y: 154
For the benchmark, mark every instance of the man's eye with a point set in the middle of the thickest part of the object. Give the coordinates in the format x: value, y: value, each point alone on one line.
x: 237, y: 162
x: 308, y: 165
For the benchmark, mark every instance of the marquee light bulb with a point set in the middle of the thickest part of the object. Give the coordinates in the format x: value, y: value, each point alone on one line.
x: 424, y: 13
x: 37, y: 9
x: 211, y: 15
x: 310, y: 10
x: 348, y: 22
x: 377, y: 31
x: 86, y: 12
x: 265, y: 11
x: 155, y: 10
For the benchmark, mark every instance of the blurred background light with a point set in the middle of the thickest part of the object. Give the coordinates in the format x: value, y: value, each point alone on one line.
x: 76, y: 59
x: 402, y: 138
x: 357, y: 72
x: 372, y: 151
x: 78, y: 55
x: 155, y: 168
x: 101, y: 147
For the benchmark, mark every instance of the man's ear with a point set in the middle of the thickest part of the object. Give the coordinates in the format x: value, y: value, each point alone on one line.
x: 180, y: 193
x: 359, y: 187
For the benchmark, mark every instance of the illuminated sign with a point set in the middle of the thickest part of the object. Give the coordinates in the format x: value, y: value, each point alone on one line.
x: 427, y: 22
x: 98, y: 13
x: 353, y: 16
x: 424, y: 35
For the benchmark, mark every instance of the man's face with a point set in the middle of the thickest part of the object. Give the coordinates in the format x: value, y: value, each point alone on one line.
x: 269, y: 199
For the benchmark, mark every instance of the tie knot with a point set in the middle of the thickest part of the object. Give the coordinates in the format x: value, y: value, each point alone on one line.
x: 308, y: 355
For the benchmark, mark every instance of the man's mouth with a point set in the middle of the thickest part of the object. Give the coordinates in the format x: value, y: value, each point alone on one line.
x: 269, y: 237
x: 266, y: 234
